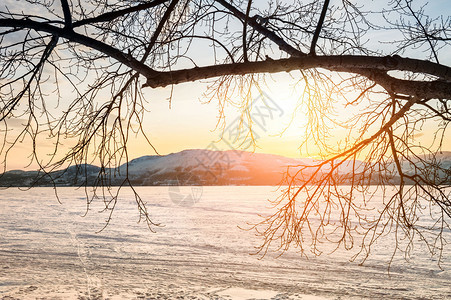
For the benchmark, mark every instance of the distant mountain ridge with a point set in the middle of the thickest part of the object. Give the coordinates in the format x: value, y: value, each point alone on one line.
x: 188, y: 167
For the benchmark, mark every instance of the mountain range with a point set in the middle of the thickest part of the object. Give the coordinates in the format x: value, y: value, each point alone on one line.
x: 188, y: 167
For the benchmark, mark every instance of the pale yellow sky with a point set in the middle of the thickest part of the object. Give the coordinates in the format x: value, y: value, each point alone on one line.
x: 190, y: 124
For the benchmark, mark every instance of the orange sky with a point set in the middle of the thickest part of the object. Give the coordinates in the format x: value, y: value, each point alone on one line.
x: 190, y: 124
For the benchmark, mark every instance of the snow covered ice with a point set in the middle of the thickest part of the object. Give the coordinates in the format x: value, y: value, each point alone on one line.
x: 50, y: 251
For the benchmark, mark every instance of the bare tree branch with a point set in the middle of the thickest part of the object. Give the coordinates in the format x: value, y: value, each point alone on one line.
x: 83, y: 40
x: 263, y: 30
x: 354, y: 64
x: 67, y: 15
x: 318, y: 27
x: 110, y: 16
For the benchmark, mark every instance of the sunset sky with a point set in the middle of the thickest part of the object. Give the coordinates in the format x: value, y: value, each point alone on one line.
x: 189, y: 122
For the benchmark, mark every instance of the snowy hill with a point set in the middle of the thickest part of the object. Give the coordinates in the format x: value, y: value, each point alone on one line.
x: 205, y: 167
x: 188, y: 167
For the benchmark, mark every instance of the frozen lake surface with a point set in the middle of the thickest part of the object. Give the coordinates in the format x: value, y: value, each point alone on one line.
x: 50, y: 251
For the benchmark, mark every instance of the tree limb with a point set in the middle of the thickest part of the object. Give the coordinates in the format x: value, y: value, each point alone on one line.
x: 284, y: 46
x: 157, y: 31
x: 369, y: 66
x: 246, y: 20
x: 319, y: 26
x: 83, y: 40
x: 67, y: 14
x: 364, y: 65
x: 109, y: 16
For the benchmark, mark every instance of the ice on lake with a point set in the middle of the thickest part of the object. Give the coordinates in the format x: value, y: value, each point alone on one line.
x: 51, y: 250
